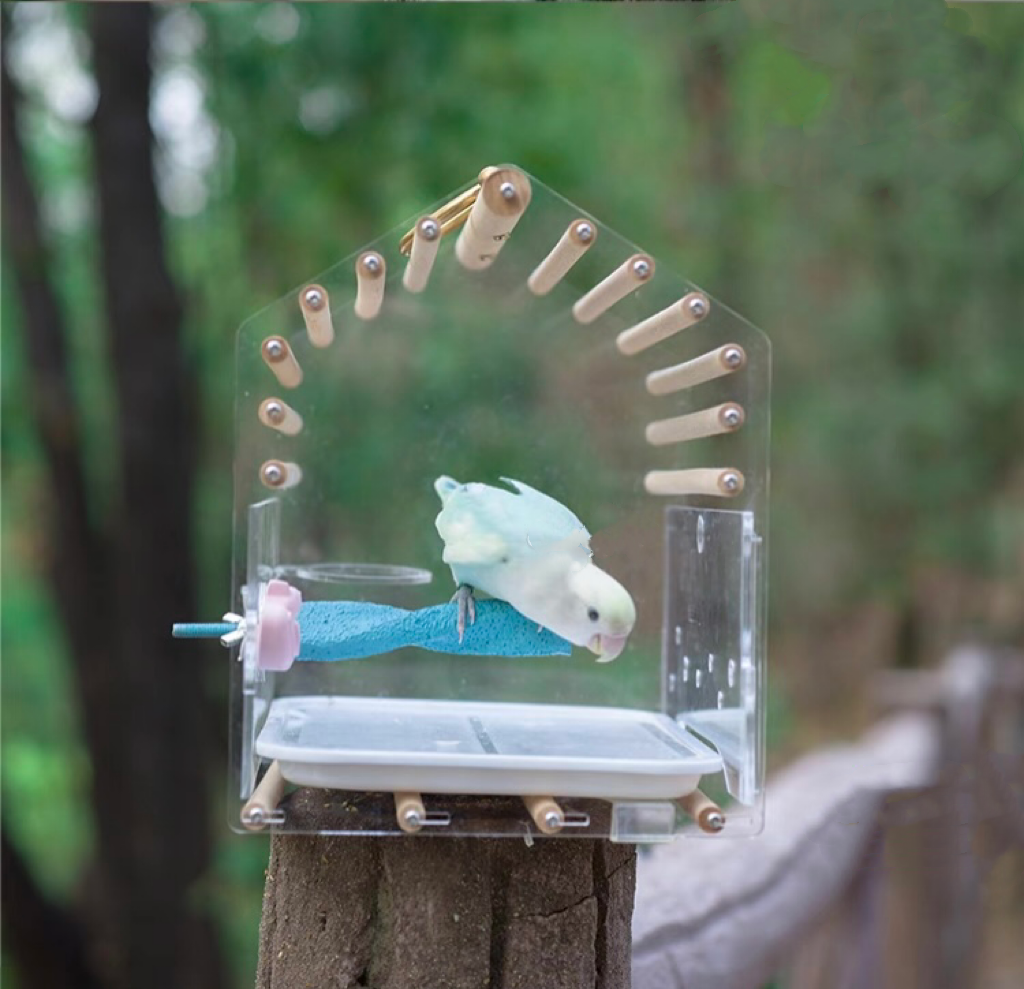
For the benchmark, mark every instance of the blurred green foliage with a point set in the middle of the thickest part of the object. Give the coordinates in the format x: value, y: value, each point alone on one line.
x: 848, y: 177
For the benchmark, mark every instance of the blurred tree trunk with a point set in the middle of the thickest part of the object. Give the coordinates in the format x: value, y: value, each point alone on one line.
x: 47, y: 945
x: 120, y: 582
x: 712, y: 165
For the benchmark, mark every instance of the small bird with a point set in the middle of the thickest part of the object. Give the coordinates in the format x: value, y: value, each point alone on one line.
x: 525, y: 548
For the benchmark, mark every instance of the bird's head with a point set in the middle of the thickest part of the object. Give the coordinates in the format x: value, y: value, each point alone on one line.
x: 603, y: 613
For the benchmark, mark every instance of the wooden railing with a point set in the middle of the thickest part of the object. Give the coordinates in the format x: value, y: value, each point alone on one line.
x: 870, y: 871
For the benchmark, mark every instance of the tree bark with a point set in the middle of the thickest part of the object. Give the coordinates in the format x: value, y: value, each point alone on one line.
x: 459, y: 913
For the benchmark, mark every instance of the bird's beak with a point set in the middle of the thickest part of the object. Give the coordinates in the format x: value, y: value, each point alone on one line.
x: 607, y: 647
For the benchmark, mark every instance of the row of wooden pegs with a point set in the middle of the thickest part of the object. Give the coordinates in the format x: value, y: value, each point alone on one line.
x: 487, y: 215
x: 411, y: 815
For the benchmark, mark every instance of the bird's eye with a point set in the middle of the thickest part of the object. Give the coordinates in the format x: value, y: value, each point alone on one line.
x: 593, y: 615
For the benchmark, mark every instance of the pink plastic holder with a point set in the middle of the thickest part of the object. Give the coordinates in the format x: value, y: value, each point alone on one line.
x: 277, y: 632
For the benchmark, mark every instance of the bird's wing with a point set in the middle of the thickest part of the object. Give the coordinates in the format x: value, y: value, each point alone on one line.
x: 545, y: 522
x: 469, y: 539
x: 482, y: 525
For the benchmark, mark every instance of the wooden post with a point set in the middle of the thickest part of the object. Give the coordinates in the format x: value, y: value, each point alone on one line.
x: 464, y: 913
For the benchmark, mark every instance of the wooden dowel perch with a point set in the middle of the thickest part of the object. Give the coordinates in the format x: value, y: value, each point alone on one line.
x: 261, y: 806
x: 416, y: 912
x: 706, y: 813
x: 690, y: 309
x: 280, y: 474
x: 575, y: 242
x: 370, y: 272
x: 278, y: 414
x: 725, y: 418
x: 316, y: 311
x: 628, y: 277
x: 504, y: 195
x: 719, y: 482
x: 410, y: 812
x: 546, y: 813
x: 725, y: 360
x: 278, y: 356
x: 425, y: 241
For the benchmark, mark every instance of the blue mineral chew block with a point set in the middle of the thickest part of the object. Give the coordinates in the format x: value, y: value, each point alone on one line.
x: 333, y: 630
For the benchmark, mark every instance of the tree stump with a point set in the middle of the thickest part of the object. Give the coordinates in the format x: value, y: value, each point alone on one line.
x: 409, y: 912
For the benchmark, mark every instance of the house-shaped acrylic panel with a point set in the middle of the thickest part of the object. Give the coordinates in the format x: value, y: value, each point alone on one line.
x: 501, y: 394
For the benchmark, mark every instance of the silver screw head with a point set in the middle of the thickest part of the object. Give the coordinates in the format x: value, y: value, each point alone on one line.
x: 255, y: 815
x: 273, y: 474
x: 731, y: 416
x: 698, y: 307
x: 275, y: 412
x: 715, y: 821
x: 275, y: 349
x: 371, y: 263
x: 641, y: 268
x: 430, y: 229
x: 585, y: 232
x: 412, y: 818
x: 731, y: 481
x: 553, y: 819
x: 314, y: 298
x: 507, y: 190
x: 733, y: 357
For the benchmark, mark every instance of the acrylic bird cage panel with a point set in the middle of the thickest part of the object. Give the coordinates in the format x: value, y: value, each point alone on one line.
x: 501, y: 489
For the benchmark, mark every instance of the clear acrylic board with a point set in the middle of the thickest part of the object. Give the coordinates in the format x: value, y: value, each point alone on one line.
x: 477, y: 377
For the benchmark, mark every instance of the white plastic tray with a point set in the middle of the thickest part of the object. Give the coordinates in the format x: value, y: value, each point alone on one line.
x: 357, y: 743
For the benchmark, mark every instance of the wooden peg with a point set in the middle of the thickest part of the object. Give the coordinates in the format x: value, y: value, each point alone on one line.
x: 370, y: 269
x: 280, y: 474
x: 278, y: 414
x: 690, y: 309
x: 504, y: 195
x: 262, y: 805
x: 725, y: 418
x: 718, y: 482
x: 708, y: 815
x: 725, y: 360
x: 410, y: 812
x: 574, y: 243
x: 425, y: 241
x: 278, y: 356
x: 316, y: 311
x: 546, y: 813
x: 628, y: 277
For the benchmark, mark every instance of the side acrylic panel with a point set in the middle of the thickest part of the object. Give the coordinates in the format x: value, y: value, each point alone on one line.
x: 714, y: 667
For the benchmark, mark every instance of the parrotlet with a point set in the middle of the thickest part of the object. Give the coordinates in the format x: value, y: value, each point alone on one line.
x: 528, y: 549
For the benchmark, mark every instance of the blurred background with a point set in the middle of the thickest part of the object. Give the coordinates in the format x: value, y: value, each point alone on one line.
x: 849, y: 181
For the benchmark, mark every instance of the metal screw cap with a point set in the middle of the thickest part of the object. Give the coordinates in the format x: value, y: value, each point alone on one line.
x: 585, y: 232
x: 273, y: 474
x: 314, y: 298
x: 698, y: 307
x: 731, y: 415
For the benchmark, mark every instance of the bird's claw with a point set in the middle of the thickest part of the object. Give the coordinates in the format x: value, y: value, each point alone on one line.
x: 467, y: 605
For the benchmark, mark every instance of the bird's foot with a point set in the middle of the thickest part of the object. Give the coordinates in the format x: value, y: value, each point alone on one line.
x: 467, y: 606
